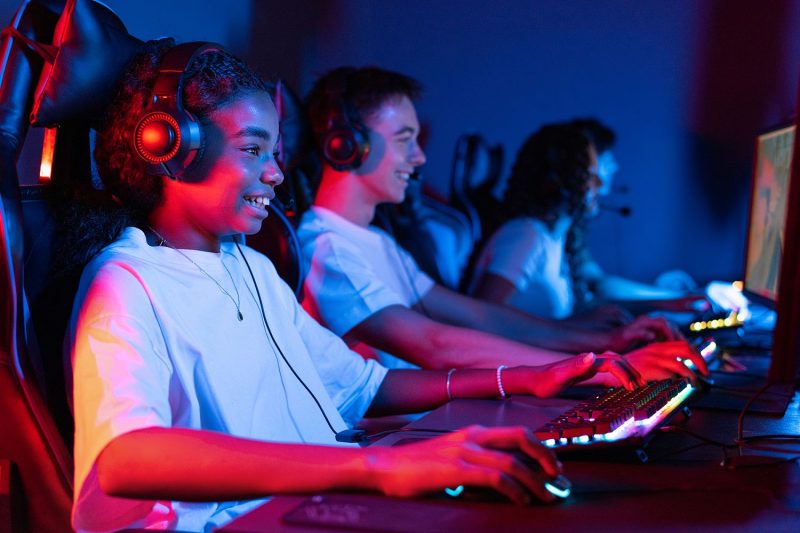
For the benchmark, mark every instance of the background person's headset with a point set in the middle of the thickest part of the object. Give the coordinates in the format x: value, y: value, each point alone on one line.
x: 345, y: 143
x: 167, y: 137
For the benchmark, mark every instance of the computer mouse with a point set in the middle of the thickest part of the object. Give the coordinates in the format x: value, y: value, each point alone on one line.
x: 559, y: 486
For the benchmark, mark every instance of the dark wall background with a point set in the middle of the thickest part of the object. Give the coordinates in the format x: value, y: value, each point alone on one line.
x: 685, y: 84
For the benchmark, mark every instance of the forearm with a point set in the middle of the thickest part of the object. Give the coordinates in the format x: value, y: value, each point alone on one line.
x: 433, y: 345
x: 192, y: 465
x: 422, y: 390
x: 535, y: 331
x: 615, y: 288
x: 454, y: 347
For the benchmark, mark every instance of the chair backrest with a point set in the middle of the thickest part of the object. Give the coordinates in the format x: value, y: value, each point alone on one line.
x: 475, y: 178
x: 438, y: 236
x: 31, y: 438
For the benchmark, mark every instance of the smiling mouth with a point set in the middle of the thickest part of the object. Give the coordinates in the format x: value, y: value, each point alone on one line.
x: 259, y: 202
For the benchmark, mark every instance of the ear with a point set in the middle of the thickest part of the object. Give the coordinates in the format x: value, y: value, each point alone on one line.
x: 90, y: 50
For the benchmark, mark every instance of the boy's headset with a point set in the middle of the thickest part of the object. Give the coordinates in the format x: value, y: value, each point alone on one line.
x: 345, y: 143
x: 167, y: 136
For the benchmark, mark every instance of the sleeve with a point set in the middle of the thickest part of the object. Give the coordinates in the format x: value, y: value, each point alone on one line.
x: 588, y: 267
x: 517, y: 254
x: 121, y: 375
x: 349, y: 379
x: 420, y: 281
x: 341, y: 288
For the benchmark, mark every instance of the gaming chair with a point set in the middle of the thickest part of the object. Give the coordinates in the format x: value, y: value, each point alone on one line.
x: 38, y: 496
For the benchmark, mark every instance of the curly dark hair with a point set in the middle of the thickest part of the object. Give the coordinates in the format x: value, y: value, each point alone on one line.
x: 550, y: 178
x: 601, y: 136
x: 357, y: 92
x: 129, y: 193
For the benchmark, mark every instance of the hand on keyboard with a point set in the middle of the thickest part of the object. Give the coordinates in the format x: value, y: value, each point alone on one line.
x: 509, y: 460
x: 548, y: 380
x: 664, y: 360
x: 643, y: 330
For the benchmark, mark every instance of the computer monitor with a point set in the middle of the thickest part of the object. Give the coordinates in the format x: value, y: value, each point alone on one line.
x: 767, y: 222
x: 772, y: 264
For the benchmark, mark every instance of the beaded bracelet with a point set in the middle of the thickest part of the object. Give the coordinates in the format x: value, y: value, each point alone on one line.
x: 500, y: 388
x: 447, y: 385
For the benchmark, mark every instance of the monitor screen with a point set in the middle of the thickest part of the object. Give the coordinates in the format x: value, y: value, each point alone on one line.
x: 768, y: 206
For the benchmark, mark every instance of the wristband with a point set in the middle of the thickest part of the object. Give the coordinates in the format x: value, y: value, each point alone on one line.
x: 500, y: 388
x: 447, y: 385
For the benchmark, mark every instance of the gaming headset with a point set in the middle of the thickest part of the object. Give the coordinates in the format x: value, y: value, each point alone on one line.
x: 167, y: 136
x: 345, y: 143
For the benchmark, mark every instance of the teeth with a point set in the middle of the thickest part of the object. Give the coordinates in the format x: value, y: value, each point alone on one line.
x: 404, y: 175
x: 257, y: 201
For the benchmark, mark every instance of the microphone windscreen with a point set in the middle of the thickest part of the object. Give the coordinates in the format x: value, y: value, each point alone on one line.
x: 623, y: 211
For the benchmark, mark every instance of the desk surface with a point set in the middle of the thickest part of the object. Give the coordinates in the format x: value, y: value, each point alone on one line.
x: 682, y: 487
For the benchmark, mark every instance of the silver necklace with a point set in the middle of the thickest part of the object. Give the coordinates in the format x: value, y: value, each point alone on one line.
x: 237, y: 302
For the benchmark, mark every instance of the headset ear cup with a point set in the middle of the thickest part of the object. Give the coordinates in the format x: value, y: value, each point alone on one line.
x: 345, y: 148
x: 168, y: 137
x: 157, y: 137
x: 167, y: 141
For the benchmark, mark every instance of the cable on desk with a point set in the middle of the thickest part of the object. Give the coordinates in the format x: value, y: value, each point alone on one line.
x: 740, y: 438
x: 380, y: 434
x: 654, y: 458
x: 723, y: 446
x: 776, y: 461
x: 703, y: 438
x: 751, y: 442
x: 737, y: 390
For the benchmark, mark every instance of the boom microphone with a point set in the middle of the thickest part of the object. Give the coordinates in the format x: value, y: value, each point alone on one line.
x: 623, y: 211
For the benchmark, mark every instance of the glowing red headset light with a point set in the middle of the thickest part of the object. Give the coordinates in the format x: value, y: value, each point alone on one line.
x: 157, y: 138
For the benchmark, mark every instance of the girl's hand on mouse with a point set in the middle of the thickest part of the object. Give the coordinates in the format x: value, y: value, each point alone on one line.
x: 508, y: 460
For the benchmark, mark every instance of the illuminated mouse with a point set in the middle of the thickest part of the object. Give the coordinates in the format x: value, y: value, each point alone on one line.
x: 559, y: 486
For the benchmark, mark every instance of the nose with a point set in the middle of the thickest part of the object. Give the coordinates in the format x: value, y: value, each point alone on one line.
x: 417, y: 156
x: 595, y: 181
x: 272, y: 174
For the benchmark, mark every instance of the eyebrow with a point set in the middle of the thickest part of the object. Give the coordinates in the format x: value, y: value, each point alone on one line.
x: 404, y: 130
x: 252, y: 131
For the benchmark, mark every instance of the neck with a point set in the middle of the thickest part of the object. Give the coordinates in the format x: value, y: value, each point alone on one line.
x: 344, y: 194
x: 562, y: 225
x: 179, y: 232
x: 559, y: 226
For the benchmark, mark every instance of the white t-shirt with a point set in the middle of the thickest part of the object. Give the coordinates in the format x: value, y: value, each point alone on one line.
x: 353, y: 273
x: 155, y: 342
x: 527, y: 254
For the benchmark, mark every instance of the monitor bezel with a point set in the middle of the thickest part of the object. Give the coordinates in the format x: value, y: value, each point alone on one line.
x: 752, y: 295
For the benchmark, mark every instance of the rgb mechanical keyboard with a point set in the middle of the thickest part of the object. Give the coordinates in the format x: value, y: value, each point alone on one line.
x: 615, y: 416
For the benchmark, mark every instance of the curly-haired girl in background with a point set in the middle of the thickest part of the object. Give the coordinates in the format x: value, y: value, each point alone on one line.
x: 538, y: 260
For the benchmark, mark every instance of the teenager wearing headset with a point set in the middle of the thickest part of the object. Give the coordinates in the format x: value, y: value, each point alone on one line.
x: 363, y: 286
x: 200, y: 386
x: 538, y: 260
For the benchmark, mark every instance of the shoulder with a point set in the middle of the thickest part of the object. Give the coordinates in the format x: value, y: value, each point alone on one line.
x: 124, y: 259
x: 522, y: 231
x: 324, y: 234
